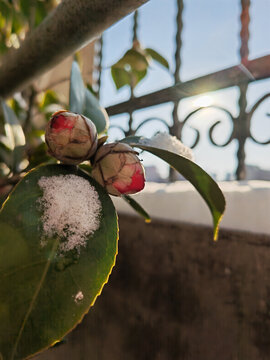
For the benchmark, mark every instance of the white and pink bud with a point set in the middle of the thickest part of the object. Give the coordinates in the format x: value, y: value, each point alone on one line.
x: 118, y: 169
x: 71, y: 138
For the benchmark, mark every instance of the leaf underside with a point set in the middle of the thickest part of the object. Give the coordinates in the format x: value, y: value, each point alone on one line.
x: 137, y: 207
x: 82, y: 101
x: 157, y: 57
x: 76, y: 90
x: 203, y: 183
x: 37, y: 285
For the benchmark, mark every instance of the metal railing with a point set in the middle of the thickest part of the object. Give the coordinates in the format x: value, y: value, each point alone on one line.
x: 239, y: 75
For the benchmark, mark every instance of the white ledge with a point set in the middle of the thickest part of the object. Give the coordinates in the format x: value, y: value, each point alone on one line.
x: 248, y: 204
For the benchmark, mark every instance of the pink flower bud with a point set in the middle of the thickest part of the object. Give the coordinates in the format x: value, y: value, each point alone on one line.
x: 71, y: 138
x: 118, y: 169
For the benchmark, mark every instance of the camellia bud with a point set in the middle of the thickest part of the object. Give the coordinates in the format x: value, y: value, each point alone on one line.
x: 71, y: 138
x: 118, y: 169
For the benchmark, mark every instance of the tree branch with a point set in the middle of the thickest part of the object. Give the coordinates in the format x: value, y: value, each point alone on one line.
x: 67, y: 28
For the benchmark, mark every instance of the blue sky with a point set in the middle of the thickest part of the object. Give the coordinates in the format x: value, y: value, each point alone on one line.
x: 210, y: 42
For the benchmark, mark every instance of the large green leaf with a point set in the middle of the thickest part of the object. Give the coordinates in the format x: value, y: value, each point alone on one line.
x: 203, y: 183
x: 95, y: 112
x: 76, y: 90
x: 37, y: 285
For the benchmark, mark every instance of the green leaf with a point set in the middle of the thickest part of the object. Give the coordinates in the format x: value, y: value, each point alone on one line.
x: 157, y: 57
x: 42, y: 10
x: 133, y: 139
x: 18, y: 21
x: 134, y: 59
x: 202, y: 182
x: 137, y: 207
x: 120, y: 77
x: 50, y: 97
x: 76, y: 90
x: 18, y: 155
x: 82, y: 101
x: 6, y: 155
x: 86, y: 168
x: 139, y: 75
x: 95, y: 112
x: 18, y: 108
x: 130, y: 69
x: 37, y: 286
x: 3, y: 47
x: 38, y: 156
x: 5, y: 9
x: 25, y: 7
x: 90, y: 88
x: 13, y: 127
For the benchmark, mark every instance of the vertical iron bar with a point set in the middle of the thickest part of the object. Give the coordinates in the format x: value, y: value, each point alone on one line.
x: 242, y: 123
x: 130, y: 130
x: 135, y: 26
x: 99, y: 68
x: 176, y: 128
x: 242, y: 133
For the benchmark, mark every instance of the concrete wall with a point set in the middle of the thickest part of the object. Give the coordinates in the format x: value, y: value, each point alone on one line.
x: 247, y: 204
x: 176, y: 295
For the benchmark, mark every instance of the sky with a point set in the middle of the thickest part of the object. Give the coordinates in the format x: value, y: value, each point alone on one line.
x: 210, y: 43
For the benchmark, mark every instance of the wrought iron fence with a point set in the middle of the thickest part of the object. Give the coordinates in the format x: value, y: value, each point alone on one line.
x: 240, y: 75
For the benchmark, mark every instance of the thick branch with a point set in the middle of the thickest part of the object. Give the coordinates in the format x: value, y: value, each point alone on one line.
x: 70, y: 26
x: 254, y: 70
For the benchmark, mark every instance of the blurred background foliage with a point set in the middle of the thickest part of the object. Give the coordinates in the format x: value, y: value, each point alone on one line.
x: 24, y: 116
x: 19, y: 17
x: 133, y: 66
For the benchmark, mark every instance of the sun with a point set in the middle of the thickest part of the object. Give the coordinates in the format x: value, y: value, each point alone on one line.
x: 203, y: 101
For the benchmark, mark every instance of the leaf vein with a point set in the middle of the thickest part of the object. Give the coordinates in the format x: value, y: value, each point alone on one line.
x: 45, y: 271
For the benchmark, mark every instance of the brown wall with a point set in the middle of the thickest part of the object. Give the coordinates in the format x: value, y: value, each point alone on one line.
x: 58, y: 78
x: 174, y: 294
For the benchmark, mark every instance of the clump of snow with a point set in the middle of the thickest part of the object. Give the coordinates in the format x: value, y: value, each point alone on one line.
x: 168, y: 142
x: 78, y: 297
x: 71, y: 210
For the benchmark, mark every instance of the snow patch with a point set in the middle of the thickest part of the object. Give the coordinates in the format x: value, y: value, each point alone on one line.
x: 71, y: 210
x: 78, y: 297
x: 168, y: 142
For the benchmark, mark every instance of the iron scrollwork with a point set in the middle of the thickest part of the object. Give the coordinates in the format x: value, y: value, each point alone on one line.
x: 237, y: 130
